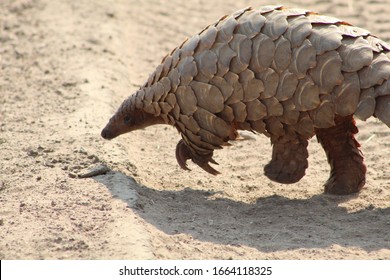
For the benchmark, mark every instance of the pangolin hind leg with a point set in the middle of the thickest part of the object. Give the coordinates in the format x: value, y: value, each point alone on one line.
x: 184, y: 153
x: 289, y: 159
x: 348, y: 171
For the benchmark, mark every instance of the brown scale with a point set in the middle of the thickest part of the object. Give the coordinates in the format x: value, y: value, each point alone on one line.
x: 289, y: 74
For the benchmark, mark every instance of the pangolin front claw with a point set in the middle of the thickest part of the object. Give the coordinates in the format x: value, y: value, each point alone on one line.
x: 206, y: 167
x: 183, y: 153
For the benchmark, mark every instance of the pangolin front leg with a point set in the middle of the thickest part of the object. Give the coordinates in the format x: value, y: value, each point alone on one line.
x: 289, y: 159
x: 348, y: 171
x: 184, y: 153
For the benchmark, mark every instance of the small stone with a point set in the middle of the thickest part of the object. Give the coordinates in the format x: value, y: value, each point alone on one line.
x: 110, y: 14
x: 49, y: 164
x: 57, y: 240
x: 69, y: 84
x: 83, y: 151
x: 32, y: 153
x: 48, y: 150
x: 95, y: 171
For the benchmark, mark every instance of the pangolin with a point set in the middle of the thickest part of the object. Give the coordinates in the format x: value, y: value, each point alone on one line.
x: 287, y: 73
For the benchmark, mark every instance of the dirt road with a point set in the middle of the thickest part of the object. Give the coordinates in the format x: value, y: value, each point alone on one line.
x: 65, y: 68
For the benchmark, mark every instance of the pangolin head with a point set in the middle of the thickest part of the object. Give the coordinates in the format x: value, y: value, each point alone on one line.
x: 127, y: 119
x: 120, y: 123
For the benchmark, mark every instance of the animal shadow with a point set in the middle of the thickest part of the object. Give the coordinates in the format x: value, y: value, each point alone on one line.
x: 272, y: 224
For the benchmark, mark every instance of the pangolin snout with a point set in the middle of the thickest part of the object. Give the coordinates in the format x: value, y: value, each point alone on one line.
x: 107, y: 134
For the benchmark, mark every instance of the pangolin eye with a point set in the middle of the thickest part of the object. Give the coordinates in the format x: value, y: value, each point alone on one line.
x: 127, y: 119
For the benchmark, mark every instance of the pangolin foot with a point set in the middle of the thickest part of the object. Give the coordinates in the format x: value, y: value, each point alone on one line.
x: 183, y: 153
x: 289, y: 160
x: 346, y: 161
x: 348, y: 179
x: 285, y: 172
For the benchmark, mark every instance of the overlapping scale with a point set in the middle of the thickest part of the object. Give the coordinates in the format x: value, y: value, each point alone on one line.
x: 225, y: 55
x: 376, y: 72
x: 325, y: 38
x: 251, y: 24
x: 274, y: 108
x: 299, y: 28
x: 287, y: 86
x: 346, y: 95
x: 187, y: 69
x: 252, y: 87
x: 226, y: 29
x: 206, y: 62
x: 306, y: 96
x: 282, y: 58
x: 255, y: 110
x: 366, y: 105
x: 290, y: 113
x: 275, y: 25
x: 190, y: 123
x: 355, y: 54
x: 238, y: 91
x: 225, y: 88
x: 263, y: 50
x: 382, y: 109
x: 208, y: 97
x: 186, y: 99
x: 242, y: 46
x: 207, y: 38
x: 239, y: 111
x: 270, y: 81
x: 212, y: 123
x: 323, y: 115
x: 327, y: 72
x: 303, y: 58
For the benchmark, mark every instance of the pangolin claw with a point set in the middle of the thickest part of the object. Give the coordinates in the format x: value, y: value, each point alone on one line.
x: 206, y: 167
x: 183, y: 153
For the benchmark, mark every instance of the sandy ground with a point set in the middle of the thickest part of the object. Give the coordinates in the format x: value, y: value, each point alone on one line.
x: 65, y: 68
